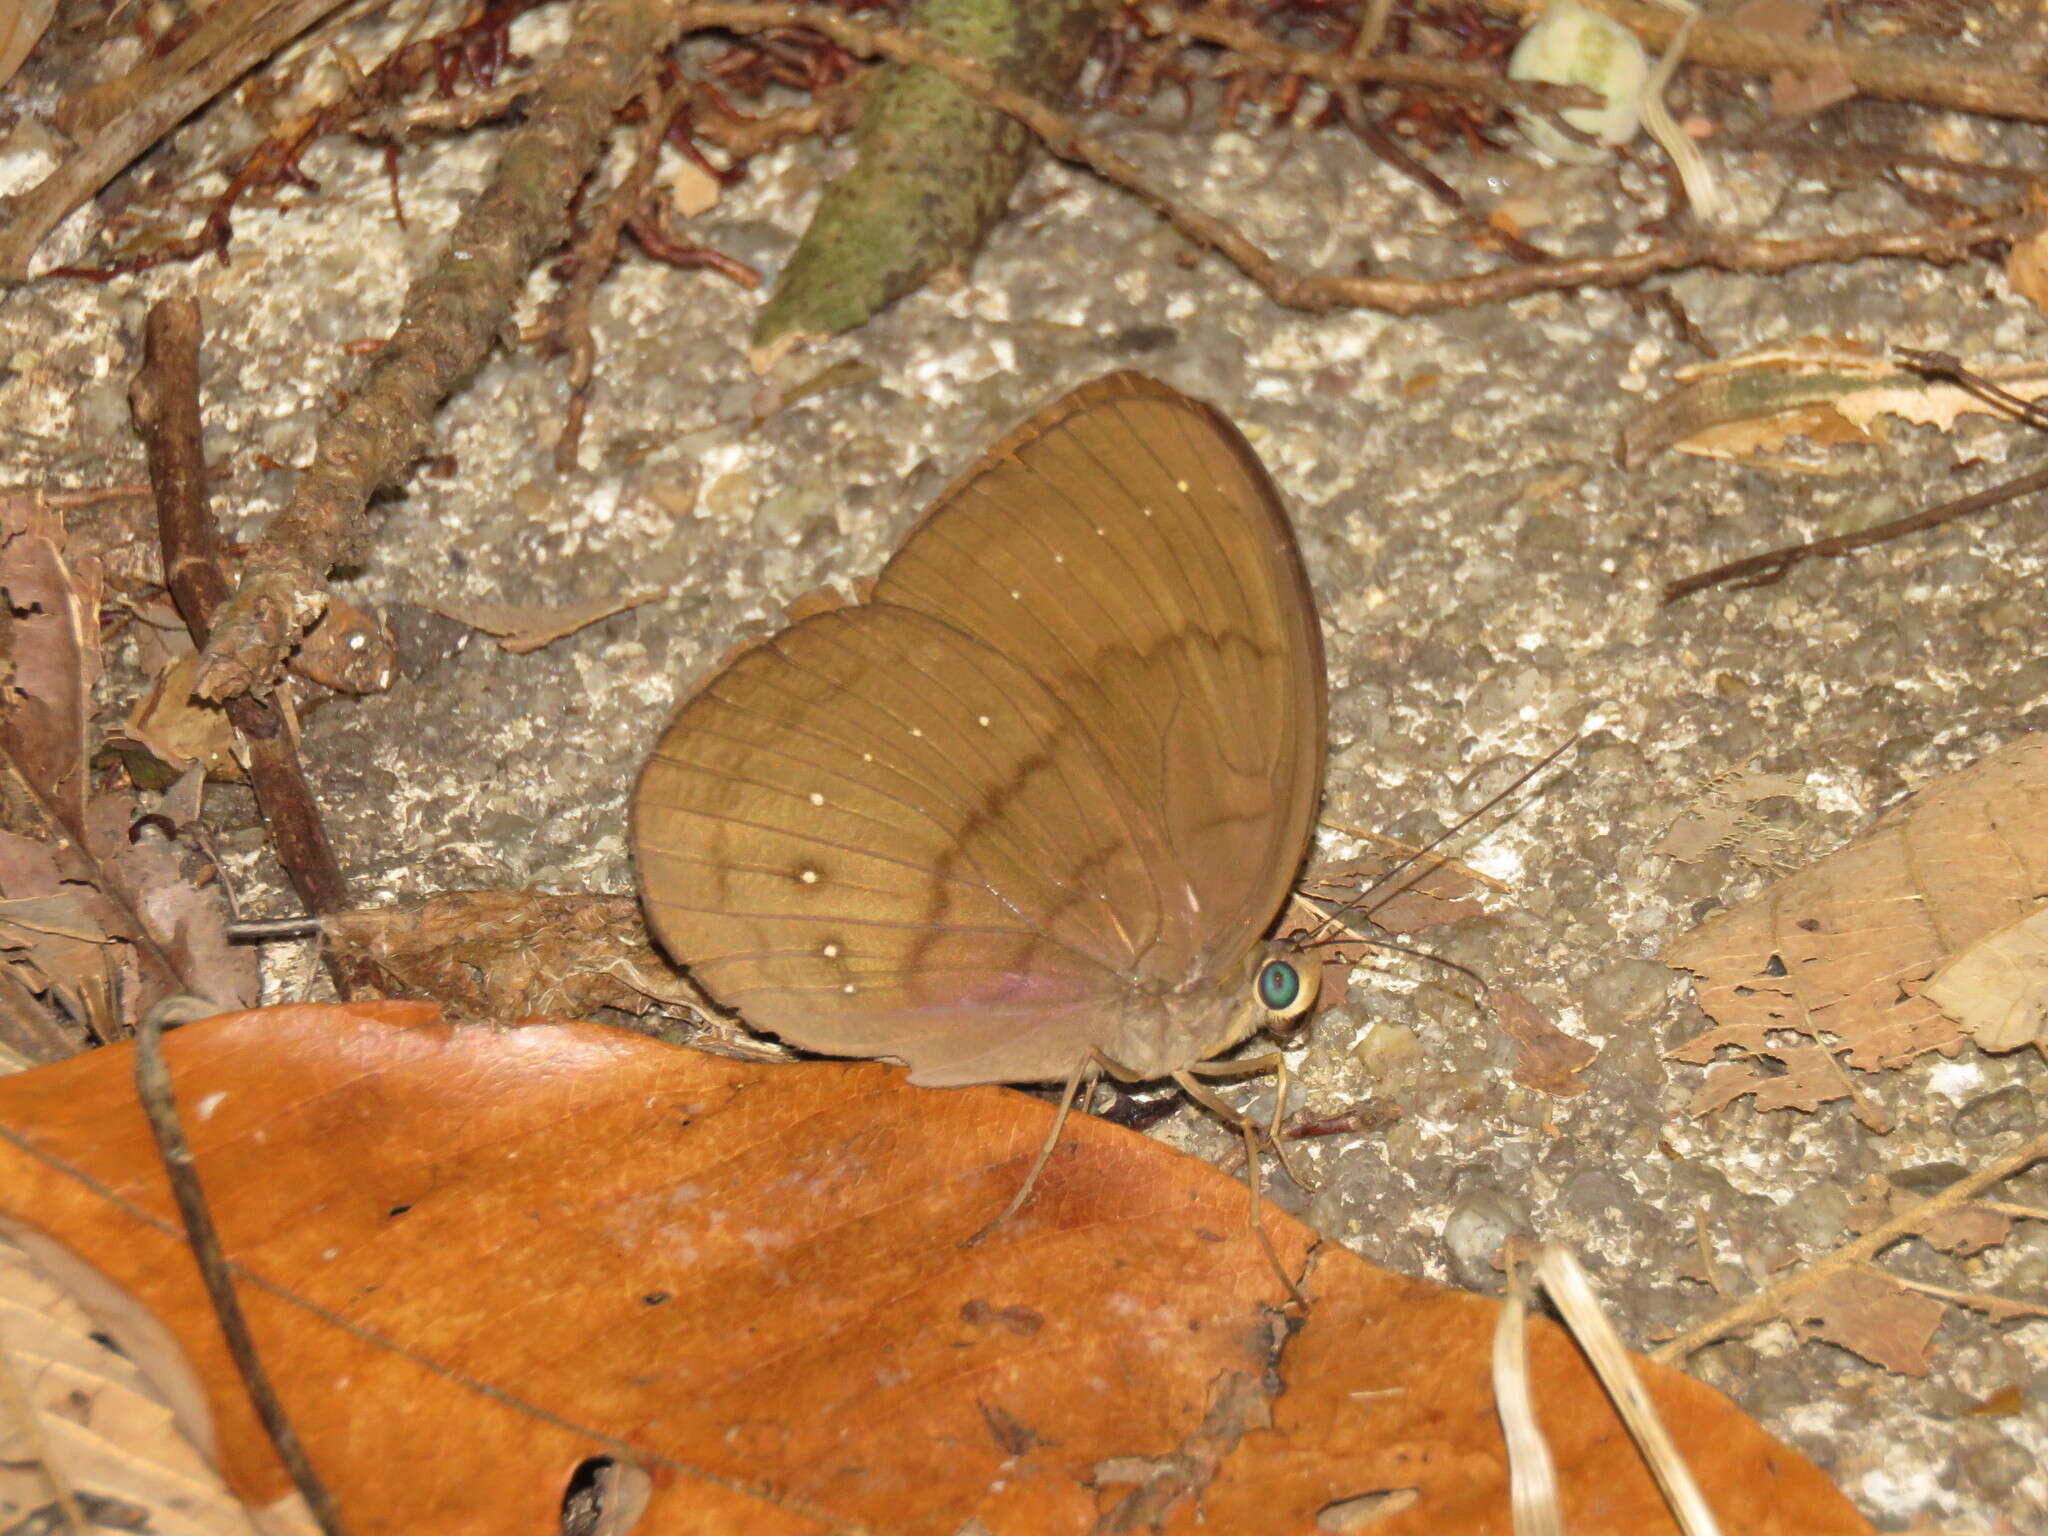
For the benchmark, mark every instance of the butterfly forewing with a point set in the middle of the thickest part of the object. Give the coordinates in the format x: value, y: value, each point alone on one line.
x: 1066, y: 758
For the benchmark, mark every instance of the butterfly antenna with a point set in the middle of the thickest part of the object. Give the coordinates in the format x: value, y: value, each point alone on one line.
x: 1358, y: 902
x: 1352, y: 936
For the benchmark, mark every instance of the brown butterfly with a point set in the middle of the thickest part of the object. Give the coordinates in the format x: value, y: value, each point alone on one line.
x: 1029, y: 811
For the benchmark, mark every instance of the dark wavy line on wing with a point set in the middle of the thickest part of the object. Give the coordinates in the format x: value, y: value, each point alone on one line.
x: 1001, y: 775
x: 1068, y: 731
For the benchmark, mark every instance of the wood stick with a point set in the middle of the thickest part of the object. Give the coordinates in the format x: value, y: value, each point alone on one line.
x: 165, y: 399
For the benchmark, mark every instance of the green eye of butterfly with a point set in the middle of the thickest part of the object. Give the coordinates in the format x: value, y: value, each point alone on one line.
x: 1279, y: 985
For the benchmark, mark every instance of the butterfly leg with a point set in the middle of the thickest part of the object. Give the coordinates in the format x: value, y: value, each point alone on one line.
x: 1087, y: 1071
x: 1275, y: 1063
x: 1250, y: 1131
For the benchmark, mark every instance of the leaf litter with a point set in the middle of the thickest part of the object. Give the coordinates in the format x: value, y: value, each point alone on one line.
x: 1921, y: 937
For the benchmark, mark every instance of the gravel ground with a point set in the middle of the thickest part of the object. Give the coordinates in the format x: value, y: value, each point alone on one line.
x: 1489, y: 583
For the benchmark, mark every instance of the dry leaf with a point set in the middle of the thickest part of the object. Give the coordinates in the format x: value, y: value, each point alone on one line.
x: 521, y: 629
x: 1997, y: 989
x: 1829, y: 391
x: 96, y: 1420
x: 1549, y: 1060
x: 179, y: 730
x: 1796, y: 94
x: 523, y: 1247
x: 51, y: 621
x: 693, y: 190
x: 189, y: 925
x: 1872, y: 1315
x: 21, y: 24
x: 1722, y: 817
x: 1968, y: 1230
x: 1810, y: 1077
x: 348, y: 651
x: 2026, y: 264
x: 520, y: 955
x: 1838, y: 952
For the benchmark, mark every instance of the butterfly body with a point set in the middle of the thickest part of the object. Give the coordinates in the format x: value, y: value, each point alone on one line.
x: 1036, y: 801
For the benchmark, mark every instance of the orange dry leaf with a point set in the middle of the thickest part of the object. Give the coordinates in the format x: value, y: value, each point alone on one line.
x: 1838, y: 952
x: 474, y: 1257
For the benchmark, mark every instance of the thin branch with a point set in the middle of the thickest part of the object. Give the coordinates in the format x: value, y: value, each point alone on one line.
x: 160, y: 1103
x: 1349, y: 68
x: 1769, y: 567
x: 1289, y: 286
x: 1769, y: 1304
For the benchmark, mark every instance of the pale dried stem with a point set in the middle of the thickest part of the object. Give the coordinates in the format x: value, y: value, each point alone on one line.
x: 1964, y: 85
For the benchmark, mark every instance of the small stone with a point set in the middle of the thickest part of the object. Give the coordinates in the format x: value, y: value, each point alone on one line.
x: 1474, y: 1232
x: 1996, y: 1113
x: 1928, y: 1178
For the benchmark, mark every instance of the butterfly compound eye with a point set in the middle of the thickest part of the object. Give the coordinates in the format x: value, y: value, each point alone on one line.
x: 1279, y: 985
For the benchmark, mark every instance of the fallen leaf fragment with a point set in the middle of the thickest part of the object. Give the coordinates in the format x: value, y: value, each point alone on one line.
x: 178, y: 729
x: 1872, y: 1315
x: 2026, y: 264
x: 49, y: 642
x: 1997, y: 989
x: 520, y: 629
x: 1839, y: 952
x: 528, y: 1246
x: 1829, y: 391
x: 1549, y: 1060
x: 1968, y: 1230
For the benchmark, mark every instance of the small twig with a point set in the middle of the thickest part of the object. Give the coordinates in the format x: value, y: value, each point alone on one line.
x: 1389, y: 149
x: 1964, y: 85
x: 1769, y: 1304
x: 2001, y: 1309
x: 1318, y: 293
x: 451, y: 114
x: 159, y: 1102
x: 1945, y: 365
x: 1371, y: 28
x: 592, y: 259
x: 1765, y: 569
x: 1248, y: 42
x: 235, y: 37
x: 829, y: 112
